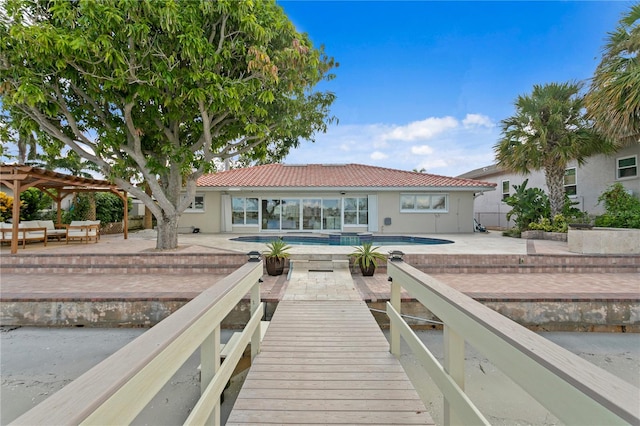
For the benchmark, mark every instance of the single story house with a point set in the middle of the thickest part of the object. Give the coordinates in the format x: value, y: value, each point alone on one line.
x: 332, y: 198
x: 583, y: 184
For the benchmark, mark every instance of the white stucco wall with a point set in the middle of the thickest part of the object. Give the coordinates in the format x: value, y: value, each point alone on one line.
x: 458, y: 219
x: 592, y: 178
x: 207, y: 220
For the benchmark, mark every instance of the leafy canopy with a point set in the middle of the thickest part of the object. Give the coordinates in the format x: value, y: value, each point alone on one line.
x: 613, y: 100
x: 157, y: 90
x: 549, y: 129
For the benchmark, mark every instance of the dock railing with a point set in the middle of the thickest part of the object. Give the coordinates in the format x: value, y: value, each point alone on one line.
x: 119, y: 388
x: 574, y: 390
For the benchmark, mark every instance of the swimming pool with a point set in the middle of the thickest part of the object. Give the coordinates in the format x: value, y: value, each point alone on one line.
x: 343, y: 239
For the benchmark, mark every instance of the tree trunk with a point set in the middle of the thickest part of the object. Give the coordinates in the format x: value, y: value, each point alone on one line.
x: 554, y: 175
x: 148, y: 216
x: 167, y: 232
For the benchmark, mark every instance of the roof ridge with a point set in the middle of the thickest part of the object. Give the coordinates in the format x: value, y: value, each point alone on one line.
x: 318, y: 175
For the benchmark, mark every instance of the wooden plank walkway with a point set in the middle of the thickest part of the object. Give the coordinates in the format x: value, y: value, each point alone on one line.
x: 326, y: 362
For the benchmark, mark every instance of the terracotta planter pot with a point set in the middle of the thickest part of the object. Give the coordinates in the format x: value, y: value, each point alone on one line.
x: 275, y: 265
x: 368, y: 272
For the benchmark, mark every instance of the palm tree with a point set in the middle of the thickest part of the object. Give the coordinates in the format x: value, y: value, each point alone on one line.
x: 613, y: 100
x: 17, y: 129
x: 548, y: 130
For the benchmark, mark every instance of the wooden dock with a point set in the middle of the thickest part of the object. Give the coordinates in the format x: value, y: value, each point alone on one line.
x: 326, y: 362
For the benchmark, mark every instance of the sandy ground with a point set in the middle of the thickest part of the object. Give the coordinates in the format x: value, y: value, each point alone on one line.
x: 500, y: 400
x: 36, y: 362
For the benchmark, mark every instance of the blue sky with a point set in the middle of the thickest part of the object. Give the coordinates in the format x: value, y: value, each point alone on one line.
x: 426, y: 84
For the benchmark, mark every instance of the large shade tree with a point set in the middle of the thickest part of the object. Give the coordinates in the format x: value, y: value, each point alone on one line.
x: 548, y: 129
x: 613, y: 100
x: 155, y: 91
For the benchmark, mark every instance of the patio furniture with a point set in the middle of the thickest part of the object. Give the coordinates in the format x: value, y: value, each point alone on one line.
x: 53, y: 231
x: 27, y: 231
x: 83, y: 230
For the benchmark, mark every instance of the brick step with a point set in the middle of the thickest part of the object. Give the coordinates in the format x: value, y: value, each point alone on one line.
x: 427, y: 260
x: 165, y: 263
x: 225, y: 263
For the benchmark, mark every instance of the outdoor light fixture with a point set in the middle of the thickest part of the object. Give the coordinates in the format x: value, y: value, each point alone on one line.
x: 396, y: 255
x: 254, y: 256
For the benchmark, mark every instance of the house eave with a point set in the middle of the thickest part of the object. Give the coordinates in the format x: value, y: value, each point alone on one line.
x: 326, y: 189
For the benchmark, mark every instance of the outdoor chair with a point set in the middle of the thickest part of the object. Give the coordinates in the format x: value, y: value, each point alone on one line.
x: 83, y: 230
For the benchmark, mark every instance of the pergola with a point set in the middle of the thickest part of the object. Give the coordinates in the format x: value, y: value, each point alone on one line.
x: 19, y: 177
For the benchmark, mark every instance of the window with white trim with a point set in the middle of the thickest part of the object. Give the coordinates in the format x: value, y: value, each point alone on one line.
x: 627, y: 167
x: 505, y: 190
x: 244, y: 211
x: 197, y: 205
x: 570, y: 182
x: 356, y: 211
x: 424, y: 203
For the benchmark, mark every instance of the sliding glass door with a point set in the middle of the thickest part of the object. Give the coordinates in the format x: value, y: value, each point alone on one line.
x: 308, y: 214
x: 270, y: 215
x: 311, y: 214
x: 290, y: 214
x: 331, y: 215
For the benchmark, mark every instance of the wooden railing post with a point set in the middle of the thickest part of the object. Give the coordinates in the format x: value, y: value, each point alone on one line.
x: 454, y: 366
x: 255, y: 304
x: 394, y: 333
x: 209, y: 365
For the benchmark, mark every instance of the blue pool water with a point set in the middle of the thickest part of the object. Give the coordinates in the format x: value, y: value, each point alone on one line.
x: 343, y: 239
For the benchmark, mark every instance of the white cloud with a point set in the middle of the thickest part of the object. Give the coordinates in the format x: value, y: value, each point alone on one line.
x: 480, y: 120
x: 420, y: 130
x: 421, y: 150
x: 454, y: 148
x: 433, y: 164
x: 377, y: 155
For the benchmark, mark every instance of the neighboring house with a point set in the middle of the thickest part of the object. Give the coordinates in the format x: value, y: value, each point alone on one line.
x: 332, y: 198
x: 584, y: 184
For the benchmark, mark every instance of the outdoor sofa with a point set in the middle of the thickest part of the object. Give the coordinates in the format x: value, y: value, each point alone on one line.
x: 27, y: 231
x: 53, y: 231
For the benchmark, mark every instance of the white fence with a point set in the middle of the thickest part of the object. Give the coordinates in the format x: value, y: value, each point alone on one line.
x: 574, y: 390
x: 117, y: 389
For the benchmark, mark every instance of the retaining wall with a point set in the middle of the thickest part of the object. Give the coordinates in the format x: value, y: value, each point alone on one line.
x: 605, y: 315
x: 604, y: 241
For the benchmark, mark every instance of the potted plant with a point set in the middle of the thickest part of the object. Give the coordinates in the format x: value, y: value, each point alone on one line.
x: 275, y: 256
x: 366, y: 256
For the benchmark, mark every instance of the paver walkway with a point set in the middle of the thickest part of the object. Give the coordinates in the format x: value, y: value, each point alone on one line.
x: 325, y: 360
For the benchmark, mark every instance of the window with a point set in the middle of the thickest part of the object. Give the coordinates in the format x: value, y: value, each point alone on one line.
x: 356, y: 211
x: 424, y: 203
x: 505, y: 190
x: 570, y: 182
x: 244, y: 211
x: 197, y: 205
x: 627, y: 167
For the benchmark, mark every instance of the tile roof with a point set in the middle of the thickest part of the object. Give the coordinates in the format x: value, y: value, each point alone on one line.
x: 482, y: 172
x: 332, y: 176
